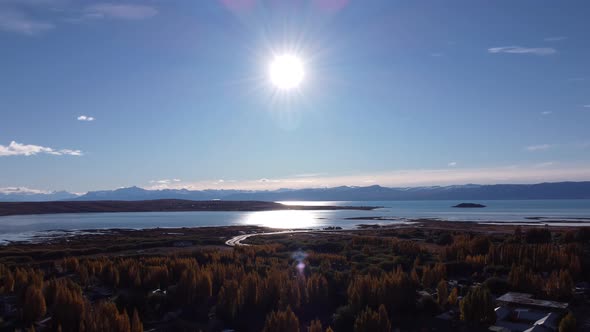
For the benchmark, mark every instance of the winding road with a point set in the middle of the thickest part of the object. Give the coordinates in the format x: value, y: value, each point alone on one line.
x: 237, y: 240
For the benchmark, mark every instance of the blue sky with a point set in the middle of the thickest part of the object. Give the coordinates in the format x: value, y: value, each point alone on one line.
x: 162, y: 94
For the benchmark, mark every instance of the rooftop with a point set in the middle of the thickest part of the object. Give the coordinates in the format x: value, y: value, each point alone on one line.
x: 527, y: 300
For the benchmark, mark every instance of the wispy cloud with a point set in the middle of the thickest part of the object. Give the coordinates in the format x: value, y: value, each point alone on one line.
x: 555, y: 38
x: 532, y: 173
x: 586, y: 106
x: 21, y: 190
x: 539, y: 147
x: 523, y: 50
x: 85, y: 118
x: 23, y: 16
x: 120, y: 11
x: 452, y: 164
x: 12, y: 21
x: 18, y: 149
x: 546, y: 112
x: 437, y: 54
x: 545, y: 164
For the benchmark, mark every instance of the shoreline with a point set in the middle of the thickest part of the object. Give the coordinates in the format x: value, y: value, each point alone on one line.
x: 57, y: 235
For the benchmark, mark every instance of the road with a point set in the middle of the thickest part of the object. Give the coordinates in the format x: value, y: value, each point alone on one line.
x: 237, y: 240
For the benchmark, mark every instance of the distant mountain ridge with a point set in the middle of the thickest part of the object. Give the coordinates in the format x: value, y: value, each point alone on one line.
x: 28, y: 195
x: 556, y: 190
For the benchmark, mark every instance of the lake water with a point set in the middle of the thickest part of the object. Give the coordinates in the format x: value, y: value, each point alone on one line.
x: 576, y: 212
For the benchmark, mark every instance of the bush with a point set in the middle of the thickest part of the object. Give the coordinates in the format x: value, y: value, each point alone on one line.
x: 497, y: 285
x: 344, y: 319
x: 568, y: 323
x: 538, y: 235
x: 371, y: 321
x: 444, y: 239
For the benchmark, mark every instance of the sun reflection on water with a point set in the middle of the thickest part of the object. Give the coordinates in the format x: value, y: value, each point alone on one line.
x: 283, y: 219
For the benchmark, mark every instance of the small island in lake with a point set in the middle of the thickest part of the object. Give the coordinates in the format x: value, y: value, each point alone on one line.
x: 469, y: 205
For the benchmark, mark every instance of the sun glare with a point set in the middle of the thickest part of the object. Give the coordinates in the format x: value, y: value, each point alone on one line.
x: 286, y: 71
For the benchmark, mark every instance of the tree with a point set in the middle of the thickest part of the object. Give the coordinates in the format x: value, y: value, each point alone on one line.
x: 281, y: 321
x: 454, y: 297
x: 518, y: 233
x: 136, y: 325
x: 568, y: 323
x: 34, y: 305
x: 315, y: 326
x: 443, y: 293
x: 106, y: 317
x: 478, y: 306
x: 8, y: 282
x: 227, y: 300
x: 384, y: 323
x: 560, y: 285
x: 371, y: 321
x: 538, y: 235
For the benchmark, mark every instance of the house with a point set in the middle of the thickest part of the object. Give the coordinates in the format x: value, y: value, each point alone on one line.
x: 519, y: 312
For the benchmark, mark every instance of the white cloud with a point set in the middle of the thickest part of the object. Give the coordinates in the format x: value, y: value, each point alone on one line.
x: 437, y: 54
x: 587, y: 106
x: 20, y: 23
x: 163, y: 183
x: 523, y: 50
x: 18, y: 149
x: 85, y: 118
x: 452, y: 164
x: 555, y: 38
x: 120, y: 11
x: 539, y: 147
x: 546, y: 112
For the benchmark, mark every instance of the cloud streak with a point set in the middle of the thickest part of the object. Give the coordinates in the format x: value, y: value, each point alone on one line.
x: 20, y: 16
x: 85, y: 118
x: 21, y: 190
x: 22, y: 24
x: 163, y: 183
x: 539, y: 147
x: 407, y: 178
x: 18, y: 149
x: 120, y: 11
x: 522, y: 50
x: 555, y: 39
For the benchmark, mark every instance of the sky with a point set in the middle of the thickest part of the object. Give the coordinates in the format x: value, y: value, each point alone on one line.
x: 177, y: 94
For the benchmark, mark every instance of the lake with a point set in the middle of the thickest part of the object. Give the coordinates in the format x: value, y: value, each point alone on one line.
x: 577, y: 212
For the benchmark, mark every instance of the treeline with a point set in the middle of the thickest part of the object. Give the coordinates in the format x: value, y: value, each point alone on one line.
x: 246, y: 288
x: 532, y: 261
x: 368, y: 283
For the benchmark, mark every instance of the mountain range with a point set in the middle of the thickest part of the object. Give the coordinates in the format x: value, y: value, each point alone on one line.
x: 557, y: 190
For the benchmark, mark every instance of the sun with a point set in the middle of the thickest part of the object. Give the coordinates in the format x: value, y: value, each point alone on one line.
x: 286, y: 71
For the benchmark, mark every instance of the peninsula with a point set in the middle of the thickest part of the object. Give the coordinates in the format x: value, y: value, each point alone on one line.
x: 159, y: 205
